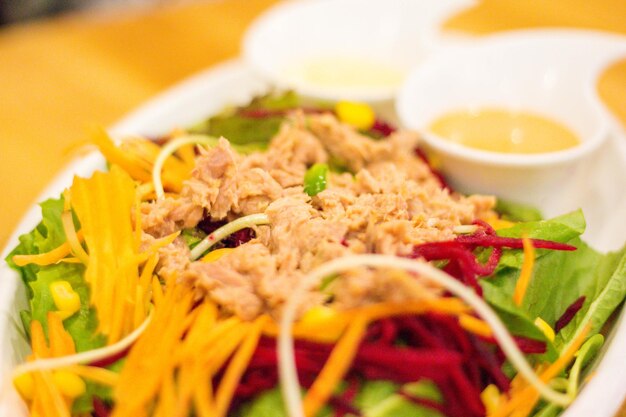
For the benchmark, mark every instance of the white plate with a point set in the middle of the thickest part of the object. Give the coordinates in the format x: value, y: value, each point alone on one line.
x: 191, y: 101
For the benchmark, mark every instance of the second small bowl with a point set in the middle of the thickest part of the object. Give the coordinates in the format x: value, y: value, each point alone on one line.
x: 344, y: 49
x: 550, y: 73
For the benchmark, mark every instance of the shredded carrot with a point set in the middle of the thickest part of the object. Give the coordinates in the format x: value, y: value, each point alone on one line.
x: 157, y: 291
x: 202, y: 399
x: 237, y: 367
x: 526, y: 272
x: 475, y: 325
x: 103, y: 205
x: 155, y: 246
x: 48, y: 258
x: 141, y: 382
x: 524, y: 400
x: 228, y: 344
x: 71, y: 235
x: 335, y: 367
x: 99, y: 375
x: 61, y: 342
x: 54, y: 404
x: 114, y: 155
x: 38, y: 340
x: 450, y: 305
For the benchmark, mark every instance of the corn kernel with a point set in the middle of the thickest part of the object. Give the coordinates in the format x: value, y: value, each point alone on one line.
x: 490, y: 398
x: 25, y: 385
x: 324, y: 323
x: 359, y: 115
x: 317, y: 315
x: 70, y: 385
x: 214, y: 255
x: 65, y: 298
x: 545, y: 328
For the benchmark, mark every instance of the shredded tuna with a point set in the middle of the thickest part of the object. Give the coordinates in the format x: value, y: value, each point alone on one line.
x: 388, y: 202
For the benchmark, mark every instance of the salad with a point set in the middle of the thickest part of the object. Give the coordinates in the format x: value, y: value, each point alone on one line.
x: 284, y: 260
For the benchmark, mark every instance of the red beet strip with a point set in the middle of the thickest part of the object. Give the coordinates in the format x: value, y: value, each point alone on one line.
x: 100, y: 409
x: 569, y: 314
x: 433, y: 346
x: 511, y: 242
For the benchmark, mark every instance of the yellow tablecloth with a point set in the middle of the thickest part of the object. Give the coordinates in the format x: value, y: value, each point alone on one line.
x: 59, y: 75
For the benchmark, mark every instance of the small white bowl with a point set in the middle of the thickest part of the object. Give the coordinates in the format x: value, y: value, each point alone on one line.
x: 394, y: 34
x: 546, y: 72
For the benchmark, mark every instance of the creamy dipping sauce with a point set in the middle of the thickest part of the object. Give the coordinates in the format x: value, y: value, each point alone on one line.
x: 504, y: 131
x: 344, y: 72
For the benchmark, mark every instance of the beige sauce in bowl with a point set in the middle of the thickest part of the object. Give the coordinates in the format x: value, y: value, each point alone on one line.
x: 505, y: 131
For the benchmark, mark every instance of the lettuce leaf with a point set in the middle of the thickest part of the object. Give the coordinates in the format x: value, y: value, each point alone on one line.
x: 605, y: 291
x: 48, y: 235
x: 375, y: 399
x: 559, y: 278
x: 560, y: 229
x: 517, y: 212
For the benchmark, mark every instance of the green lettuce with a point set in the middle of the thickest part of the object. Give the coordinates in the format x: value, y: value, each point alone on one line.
x: 559, y: 278
x: 254, y: 132
x: 82, y: 326
x: 48, y: 235
x: 374, y: 399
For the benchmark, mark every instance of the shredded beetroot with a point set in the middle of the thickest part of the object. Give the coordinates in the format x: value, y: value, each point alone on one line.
x: 486, y: 240
x: 100, y: 409
x: 525, y: 344
x: 569, y: 314
x: 400, y: 349
x: 382, y: 128
x: 240, y: 237
x: 462, y: 261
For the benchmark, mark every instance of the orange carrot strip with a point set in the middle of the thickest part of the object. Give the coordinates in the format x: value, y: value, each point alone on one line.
x: 48, y: 258
x: 38, y: 340
x: 335, y: 367
x: 474, y: 325
x: 526, y: 272
x: 61, y: 343
x: 237, y: 367
x: 529, y: 396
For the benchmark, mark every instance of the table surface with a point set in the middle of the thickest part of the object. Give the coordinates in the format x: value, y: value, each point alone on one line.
x: 59, y: 76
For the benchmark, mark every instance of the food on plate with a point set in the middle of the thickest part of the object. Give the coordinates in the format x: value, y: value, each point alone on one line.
x: 279, y: 260
x: 500, y: 130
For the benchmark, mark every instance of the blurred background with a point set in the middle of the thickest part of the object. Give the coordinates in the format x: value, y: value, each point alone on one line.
x: 14, y: 11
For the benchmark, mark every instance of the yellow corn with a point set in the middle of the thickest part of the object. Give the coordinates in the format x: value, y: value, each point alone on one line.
x: 545, y: 328
x: 490, y: 398
x: 25, y: 385
x: 216, y: 254
x: 65, y: 298
x: 359, y: 115
x: 317, y: 315
x: 70, y: 385
x: 498, y: 223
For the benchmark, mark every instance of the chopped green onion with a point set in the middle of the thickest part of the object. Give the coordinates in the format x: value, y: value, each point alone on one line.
x: 315, y: 179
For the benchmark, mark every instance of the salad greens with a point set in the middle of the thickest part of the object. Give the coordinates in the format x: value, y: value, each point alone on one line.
x: 46, y: 236
x: 379, y: 398
x: 252, y: 125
